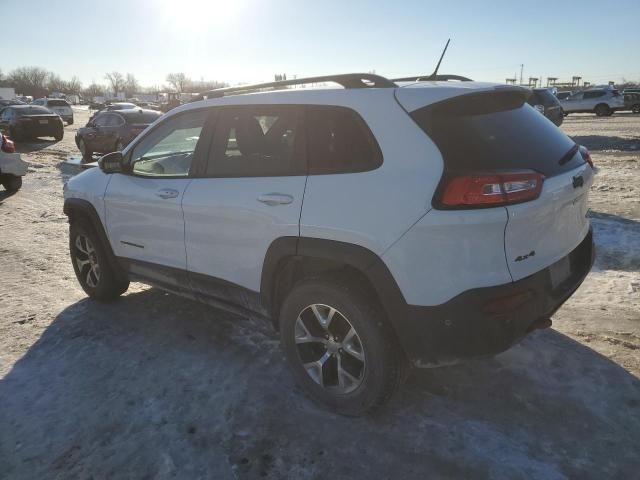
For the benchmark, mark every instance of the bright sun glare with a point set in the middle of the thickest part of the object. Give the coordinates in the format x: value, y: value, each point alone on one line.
x: 186, y: 14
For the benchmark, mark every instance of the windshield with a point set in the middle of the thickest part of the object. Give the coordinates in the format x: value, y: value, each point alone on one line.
x: 57, y: 103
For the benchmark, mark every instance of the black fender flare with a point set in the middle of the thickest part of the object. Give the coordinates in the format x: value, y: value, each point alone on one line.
x: 77, y: 207
x: 362, y: 259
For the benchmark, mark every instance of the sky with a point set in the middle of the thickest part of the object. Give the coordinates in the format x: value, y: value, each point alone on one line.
x: 240, y: 41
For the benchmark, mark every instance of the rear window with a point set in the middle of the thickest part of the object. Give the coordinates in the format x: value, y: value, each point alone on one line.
x: 496, y: 131
x: 144, y: 117
x: 57, y: 103
x: 32, y: 110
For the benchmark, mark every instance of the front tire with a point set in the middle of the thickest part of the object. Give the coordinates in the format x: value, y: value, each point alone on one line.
x: 339, y: 345
x: 91, y: 264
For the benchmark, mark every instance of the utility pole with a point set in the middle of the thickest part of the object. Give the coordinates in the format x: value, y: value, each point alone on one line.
x: 521, y: 69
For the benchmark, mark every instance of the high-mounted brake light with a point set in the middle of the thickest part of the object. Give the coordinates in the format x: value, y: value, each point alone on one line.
x: 7, y: 145
x: 586, y: 155
x: 492, y: 189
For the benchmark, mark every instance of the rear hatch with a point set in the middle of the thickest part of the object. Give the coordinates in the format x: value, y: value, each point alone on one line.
x: 60, y: 107
x: 513, y: 158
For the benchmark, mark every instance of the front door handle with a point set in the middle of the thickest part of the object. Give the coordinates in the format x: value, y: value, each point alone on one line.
x: 273, y: 199
x: 167, y: 193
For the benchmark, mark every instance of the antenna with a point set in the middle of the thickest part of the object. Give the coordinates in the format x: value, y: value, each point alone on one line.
x: 435, y: 72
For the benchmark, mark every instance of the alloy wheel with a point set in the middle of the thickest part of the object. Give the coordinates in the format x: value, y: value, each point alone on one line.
x: 329, y: 348
x: 87, y: 261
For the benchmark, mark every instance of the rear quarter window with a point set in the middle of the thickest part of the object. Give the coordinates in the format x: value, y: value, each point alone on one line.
x: 339, y: 141
x: 496, y: 131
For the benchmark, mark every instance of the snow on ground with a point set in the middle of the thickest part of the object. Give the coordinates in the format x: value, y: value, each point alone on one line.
x: 156, y: 386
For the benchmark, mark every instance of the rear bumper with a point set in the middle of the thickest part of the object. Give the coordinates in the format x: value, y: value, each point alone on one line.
x: 463, y: 327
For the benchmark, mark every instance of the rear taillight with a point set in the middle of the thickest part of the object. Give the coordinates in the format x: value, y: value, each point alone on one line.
x: 491, y: 189
x: 7, y: 145
x: 586, y: 155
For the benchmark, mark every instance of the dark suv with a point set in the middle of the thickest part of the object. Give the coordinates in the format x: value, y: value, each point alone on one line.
x: 111, y: 131
x: 543, y: 100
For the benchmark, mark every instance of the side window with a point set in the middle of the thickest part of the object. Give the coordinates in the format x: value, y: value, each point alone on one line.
x: 338, y: 141
x: 113, y: 120
x: 257, y: 141
x: 593, y: 94
x: 168, y: 149
x: 6, y: 114
x: 101, y: 120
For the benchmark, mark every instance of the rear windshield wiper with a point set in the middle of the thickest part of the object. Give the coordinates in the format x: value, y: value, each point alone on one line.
x: 569, y: 155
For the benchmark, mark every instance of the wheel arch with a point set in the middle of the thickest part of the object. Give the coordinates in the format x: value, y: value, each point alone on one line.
x: 77, y: 209
x: 290, y: 259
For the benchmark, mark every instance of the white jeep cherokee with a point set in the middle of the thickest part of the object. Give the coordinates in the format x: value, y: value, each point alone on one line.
x: 378, y: 225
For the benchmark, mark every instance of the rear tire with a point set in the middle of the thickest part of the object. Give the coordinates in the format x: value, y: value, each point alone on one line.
x: 91, y: 264
x: 59, y: 135
x: 11, y: 183
x: 602, y: 110
x: 351, y: 373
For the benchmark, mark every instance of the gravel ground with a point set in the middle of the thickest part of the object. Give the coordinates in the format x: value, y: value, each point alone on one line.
x: 155, y: 386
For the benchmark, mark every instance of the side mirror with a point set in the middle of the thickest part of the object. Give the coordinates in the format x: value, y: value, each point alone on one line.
x: 112, y: 162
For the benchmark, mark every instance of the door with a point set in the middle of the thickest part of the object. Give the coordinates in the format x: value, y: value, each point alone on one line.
x: 249, y: 193
x: 574, y: 103
x: 143, y: 208
x: 94, y: 135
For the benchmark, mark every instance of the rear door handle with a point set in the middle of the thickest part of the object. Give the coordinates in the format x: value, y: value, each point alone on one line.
x: 167, y: 193
x: 273, y: 199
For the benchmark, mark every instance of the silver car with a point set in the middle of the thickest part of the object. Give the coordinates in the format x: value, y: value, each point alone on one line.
x: 601, y: 101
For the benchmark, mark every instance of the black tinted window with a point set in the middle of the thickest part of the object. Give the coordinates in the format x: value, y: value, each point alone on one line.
x: 257, y: 141
x: 57, y: 103
x: 338, y: 141
x: 543, y: 97
x: 496, y: 131
x: 32, y: 110
x: 101, y: 120
x: 595, y: 94
x: 141, y: 117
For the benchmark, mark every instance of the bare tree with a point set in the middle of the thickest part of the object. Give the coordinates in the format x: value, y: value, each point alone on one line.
x: 116, y: 81
x: 131, y: 85
x: 55, y: 83
x: 94, y: 90
x: 74, y: 85
x: 178, y: 81
x: 28, y: 80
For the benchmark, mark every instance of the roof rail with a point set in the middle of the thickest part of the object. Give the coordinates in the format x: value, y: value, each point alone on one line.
x: 432, y: 78
x: 347, y: 80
